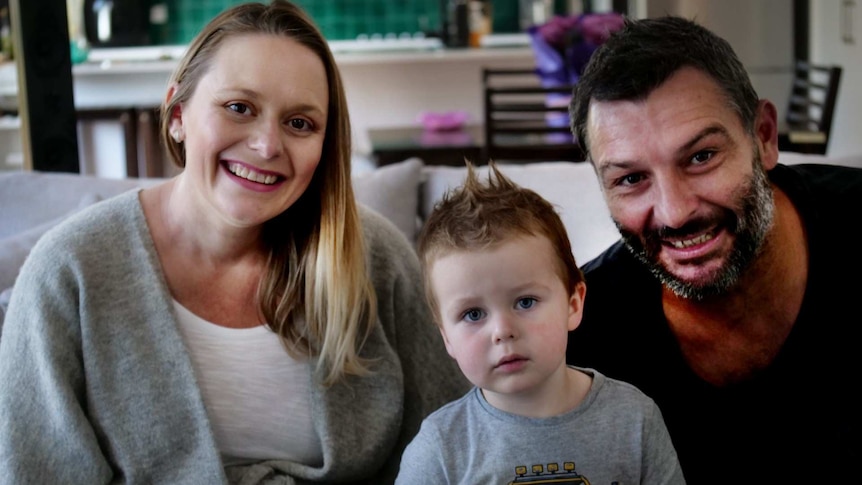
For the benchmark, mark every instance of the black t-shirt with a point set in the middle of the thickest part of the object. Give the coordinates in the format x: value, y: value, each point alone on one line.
x: 799, y: 419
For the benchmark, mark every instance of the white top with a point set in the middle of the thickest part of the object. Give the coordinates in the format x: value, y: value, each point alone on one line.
x: 257, y: 396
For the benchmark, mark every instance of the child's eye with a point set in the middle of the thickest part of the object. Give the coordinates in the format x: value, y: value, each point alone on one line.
x: 526, y: 303
x: 473, y: 315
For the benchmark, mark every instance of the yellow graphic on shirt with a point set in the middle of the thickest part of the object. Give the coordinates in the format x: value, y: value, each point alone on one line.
x: 550, y: 473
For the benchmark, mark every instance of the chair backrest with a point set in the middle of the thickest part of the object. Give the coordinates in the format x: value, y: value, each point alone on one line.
x: 526, y: 121
x: 811, y: 107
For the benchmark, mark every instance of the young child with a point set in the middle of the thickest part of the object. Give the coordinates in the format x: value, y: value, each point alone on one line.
x: 505, y: 291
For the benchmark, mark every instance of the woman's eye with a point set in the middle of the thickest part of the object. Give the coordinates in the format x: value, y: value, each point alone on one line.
x: 300, y: 124
x: 526, y: 303
x: 473, y: 315
x: 238, y: 108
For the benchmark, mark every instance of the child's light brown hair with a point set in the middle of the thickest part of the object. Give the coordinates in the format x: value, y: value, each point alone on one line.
x: 477, y: 215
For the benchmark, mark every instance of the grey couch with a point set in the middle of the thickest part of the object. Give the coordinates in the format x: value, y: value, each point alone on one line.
x: 32, y: 203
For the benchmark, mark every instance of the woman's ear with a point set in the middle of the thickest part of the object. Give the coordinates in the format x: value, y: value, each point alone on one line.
x: 175, y: 124
x: 766, y: 133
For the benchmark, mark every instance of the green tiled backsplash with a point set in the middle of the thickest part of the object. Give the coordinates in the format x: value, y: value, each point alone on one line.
x: 338, y: 19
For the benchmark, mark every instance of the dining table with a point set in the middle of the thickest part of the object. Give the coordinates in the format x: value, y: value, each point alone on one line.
x: 434, y: 147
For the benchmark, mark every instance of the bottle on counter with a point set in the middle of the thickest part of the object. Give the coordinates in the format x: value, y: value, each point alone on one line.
x: 78, y: 44
x: 535, y: 12
x: 6, y: 53
x: 456, y: 25
x: 480, y: 20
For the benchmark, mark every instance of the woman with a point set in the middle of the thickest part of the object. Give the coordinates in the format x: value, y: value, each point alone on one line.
x: 241, y: 322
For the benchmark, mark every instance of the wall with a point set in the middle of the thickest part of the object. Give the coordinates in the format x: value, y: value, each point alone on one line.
x: 382, y: 95
x: 760, y: 32
x: 836, y: 39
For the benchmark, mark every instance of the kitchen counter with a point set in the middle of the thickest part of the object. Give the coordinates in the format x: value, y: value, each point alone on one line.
x: 106, y: 64
x: 139, y: 76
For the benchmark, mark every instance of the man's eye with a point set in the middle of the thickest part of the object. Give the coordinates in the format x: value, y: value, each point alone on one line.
x: 473, y: 315
x: 629, y: 179
x: 526, y: 303
x: 701, y: 157
x: 238, y: 108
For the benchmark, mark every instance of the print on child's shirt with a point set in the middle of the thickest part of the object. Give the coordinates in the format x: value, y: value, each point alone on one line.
x: 542, y: 474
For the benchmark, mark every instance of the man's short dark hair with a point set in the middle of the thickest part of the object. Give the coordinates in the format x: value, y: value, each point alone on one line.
x: 645, y: 53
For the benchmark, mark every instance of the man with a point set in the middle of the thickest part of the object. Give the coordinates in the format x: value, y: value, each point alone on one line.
x: 730, y: 298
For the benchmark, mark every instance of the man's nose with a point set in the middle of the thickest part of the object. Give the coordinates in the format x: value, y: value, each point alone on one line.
x: 675, y: 202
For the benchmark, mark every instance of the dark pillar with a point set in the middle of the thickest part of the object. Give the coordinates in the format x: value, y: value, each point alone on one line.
x: 801, y: 14
x: 45, y: 102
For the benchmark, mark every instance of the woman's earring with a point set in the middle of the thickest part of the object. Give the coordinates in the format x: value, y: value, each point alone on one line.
x: 175, y: 135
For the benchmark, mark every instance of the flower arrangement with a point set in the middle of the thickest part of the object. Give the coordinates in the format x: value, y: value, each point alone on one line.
x: 563, y: 45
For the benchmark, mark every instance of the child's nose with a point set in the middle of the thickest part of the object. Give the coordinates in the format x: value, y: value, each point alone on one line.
x: 504, y: 328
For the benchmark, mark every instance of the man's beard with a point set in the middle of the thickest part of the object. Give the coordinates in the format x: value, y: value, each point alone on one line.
x: 750, y: 226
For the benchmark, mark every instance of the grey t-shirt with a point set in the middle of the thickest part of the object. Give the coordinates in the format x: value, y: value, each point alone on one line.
x: 616, y: 435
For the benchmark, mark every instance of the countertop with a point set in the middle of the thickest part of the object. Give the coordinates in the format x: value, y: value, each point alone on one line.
x: 346, y: 53
x: 121, y: 66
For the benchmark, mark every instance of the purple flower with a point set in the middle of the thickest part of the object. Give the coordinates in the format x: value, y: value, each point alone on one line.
x: 597, y: 28
x: 563, y: 45
x: 556, y: 31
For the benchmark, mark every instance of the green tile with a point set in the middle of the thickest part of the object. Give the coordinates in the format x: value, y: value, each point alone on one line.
x: 337, y: 19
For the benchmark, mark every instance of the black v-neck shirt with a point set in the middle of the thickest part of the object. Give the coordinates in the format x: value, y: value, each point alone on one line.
x: 797, y: 420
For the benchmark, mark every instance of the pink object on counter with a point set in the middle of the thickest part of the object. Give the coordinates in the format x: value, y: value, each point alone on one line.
x: 447, y: 121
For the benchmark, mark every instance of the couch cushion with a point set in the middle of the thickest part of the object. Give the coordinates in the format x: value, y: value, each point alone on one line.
x: 389, y: 190
x: 570, y: 186
x: 33, y: 198
x: 15, y: 248
x: 392, y: 191
x: 33, y: 202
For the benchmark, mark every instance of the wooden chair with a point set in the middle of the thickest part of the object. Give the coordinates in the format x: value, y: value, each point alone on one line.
x: 810, y: 109
x: 525, y: 121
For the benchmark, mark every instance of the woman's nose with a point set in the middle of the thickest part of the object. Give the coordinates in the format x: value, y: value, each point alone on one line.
x: 266, y: 139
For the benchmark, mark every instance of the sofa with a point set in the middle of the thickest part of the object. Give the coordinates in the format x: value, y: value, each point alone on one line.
x: 405, y: 192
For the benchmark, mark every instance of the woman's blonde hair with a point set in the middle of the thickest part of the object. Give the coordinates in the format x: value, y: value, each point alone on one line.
x: 316, y: 293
